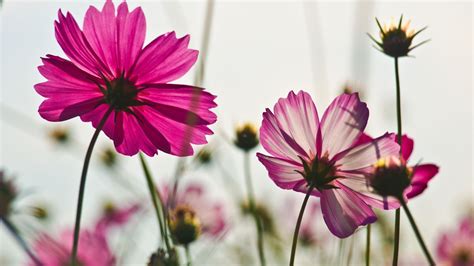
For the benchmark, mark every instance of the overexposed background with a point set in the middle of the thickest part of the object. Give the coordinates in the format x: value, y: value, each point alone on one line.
x: 258, y: 52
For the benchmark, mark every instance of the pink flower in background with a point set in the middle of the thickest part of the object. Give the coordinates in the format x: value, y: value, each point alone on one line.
x: 94, y: 249
x: 110, y: 70
x: 210, y: 213
x: 421, y: 173
x: 305, y: 150
x: 456, y: 248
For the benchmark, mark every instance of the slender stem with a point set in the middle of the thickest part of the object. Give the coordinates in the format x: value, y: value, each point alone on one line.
x: 188, y: 255
x: 298, y: 224
x: 396, y: 238
x: 367, y: 250
x: 251, y: 199
x: 16, y: 234
x: 417, y: 233
x: 155, y: 199
x: 82, y: 185
x: 399, y: 140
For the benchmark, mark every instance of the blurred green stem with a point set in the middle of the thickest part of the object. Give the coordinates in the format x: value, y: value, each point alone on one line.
x: 417, y: 233
x: 188, y: 255
x: 16, y: 234
x: 253, y: 209
x: 156, y: 200
x: 82, y: 185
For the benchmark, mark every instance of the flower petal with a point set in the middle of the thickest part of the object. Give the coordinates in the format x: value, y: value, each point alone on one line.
x: 422, y: 174
x: 96, y: 115
x: 67, y: 106
x: 181, y: 103
x: 406, y: 146
x: 344, y: 211
x: 281, y: 171
x: 297, y: 116
x: 365, y: 155
x: 77, y: 48
x: 164, y: 59
x: 117, y: 40
x: 342, y: 123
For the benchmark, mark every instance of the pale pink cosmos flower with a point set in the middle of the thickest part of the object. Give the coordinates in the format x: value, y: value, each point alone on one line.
x: 94, y: 249
x: 456, y: 248
x: 210, y: 212
x: 109, y: 70
x: 325, y: 152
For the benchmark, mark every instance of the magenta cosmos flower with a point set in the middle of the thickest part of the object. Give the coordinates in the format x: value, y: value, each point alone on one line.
x: 94, y: 249
x: 324, y: 153
x: 456, y: 248
x: 421, y: 174
x: 109, y: 70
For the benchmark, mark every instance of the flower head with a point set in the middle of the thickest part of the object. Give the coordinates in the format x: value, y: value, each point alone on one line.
x: 326, y: 155
x: 109, y: 70
x: 246, y: 137
x: 193, y: 213
x: 456, y: 248
x: 392, y: 175
x: 396, y: 39
x: 8, y: 194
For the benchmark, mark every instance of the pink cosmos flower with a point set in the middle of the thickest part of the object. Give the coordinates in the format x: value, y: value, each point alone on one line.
x: 324, y: 153
x: 456, y: 248
x: 421, y: 173
x: 94, y: 249
x: 210, y: 213
x: 109, y: 70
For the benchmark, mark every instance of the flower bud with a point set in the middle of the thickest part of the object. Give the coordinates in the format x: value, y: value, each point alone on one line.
x: 246, y: 137
x: 60, y: 135
x: 160, y: 258
x: 204, y: 156
x: 391, y: 177
x: 184, y: 225
x: 396, y: 40
x: 109, y: 157
x: 8, y: 194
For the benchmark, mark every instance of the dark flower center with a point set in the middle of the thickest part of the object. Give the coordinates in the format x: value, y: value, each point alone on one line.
x: 396, y: 43
x: 120, y: 93
x: 184, y: 225
x: 320, y: 173
x: 391, y: 177
x: 463, y: 257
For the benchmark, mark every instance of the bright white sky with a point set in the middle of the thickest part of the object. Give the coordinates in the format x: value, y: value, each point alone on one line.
x: 258, y: 52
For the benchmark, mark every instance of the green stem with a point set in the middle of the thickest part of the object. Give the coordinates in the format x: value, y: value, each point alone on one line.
x: 251, y: 199
x: 417, y: 233
x: 188, y: 255
x: 399, y: 140
x: 82, y: 184
x: 16, y: 234
x: 155, y: 197
x: 367, y: 250
x: 298, y: 224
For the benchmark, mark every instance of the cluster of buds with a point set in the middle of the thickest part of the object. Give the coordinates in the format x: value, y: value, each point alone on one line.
x: 246, y: 137
x: 8, y: 194
x: 185, y: 226
x: 396, y: 39
x: 391, y: 177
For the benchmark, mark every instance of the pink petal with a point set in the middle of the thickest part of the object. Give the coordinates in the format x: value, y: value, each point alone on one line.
x: 303, y: 187
x: 96, y: 115
x: 115, y: 219
x: 277, y: 141
x: 116, y: 40
x: 407, y: 145
x: 77, y: 48
x: 422, y: 174
x: 297, y: 116
x: 93, y: 248
x: 358, y: 184
x: 281, y: 171
x: 365, y: 155
x: 132, y: 135
x: 67, y: 106
x: 342, y: 123
x: 163, y: 60
x: 181, y: 102
x: 344, y: 211
x: 175, y: 137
